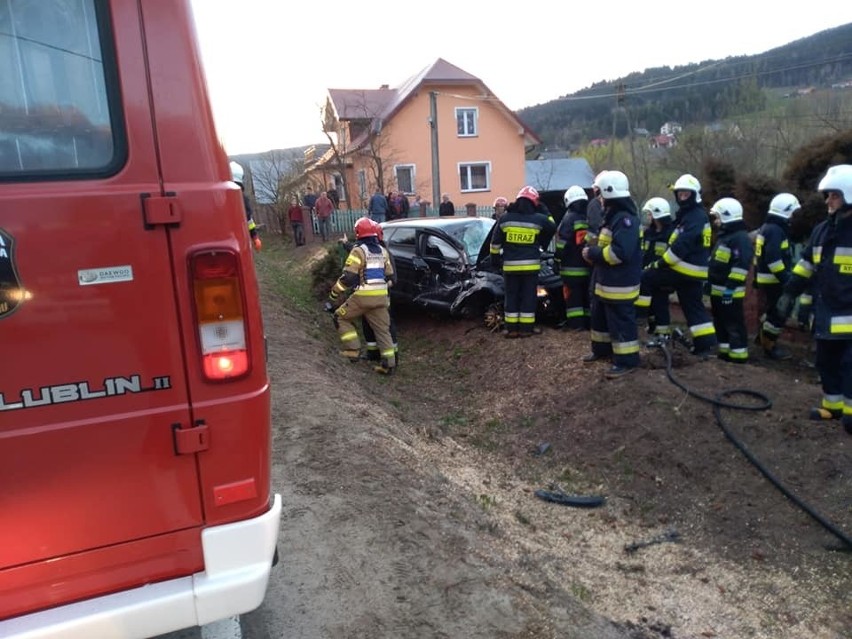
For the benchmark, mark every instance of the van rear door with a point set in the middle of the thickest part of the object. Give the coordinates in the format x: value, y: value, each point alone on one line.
x: 93, y: 382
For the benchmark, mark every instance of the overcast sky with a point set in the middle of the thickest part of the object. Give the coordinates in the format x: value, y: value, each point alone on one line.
x: 270, y: 62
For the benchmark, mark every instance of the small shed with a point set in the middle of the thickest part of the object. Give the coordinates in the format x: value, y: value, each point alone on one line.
x: 551, y: 178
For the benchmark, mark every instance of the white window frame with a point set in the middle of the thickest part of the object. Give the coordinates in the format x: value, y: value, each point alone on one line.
x: 465, y: 177
x: 411, y: 175
x: 467, y: 119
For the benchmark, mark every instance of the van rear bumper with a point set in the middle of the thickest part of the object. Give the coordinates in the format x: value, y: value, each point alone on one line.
x: 237, y: 560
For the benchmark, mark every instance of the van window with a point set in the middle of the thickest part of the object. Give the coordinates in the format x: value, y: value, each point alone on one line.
x: 56, y: 113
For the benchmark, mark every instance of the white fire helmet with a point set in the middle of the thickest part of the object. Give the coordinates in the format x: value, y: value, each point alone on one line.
x: 838, y: 178
x: 688, y: 182
x: 237, y: 173
x: 573, y: 194
x: 658, y: 208
x: 784, y: 205
x: 613, y: 184
x: 728, y: 210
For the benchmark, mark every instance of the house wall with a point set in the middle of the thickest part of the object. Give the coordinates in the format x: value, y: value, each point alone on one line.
x: 406, y: 139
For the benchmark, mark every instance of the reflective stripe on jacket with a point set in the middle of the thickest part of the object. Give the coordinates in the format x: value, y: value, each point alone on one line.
x: 826, y: 264
x: 617, y: 256
x: 730, y: 261
x: 689, y: 244
x: 772, y: 255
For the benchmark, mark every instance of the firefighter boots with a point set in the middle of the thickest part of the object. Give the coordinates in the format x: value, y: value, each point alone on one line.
x: 352, y: 354
x: 820, y: 413
x: 619, y: 371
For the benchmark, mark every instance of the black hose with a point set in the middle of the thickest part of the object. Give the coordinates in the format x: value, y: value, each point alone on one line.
x: 765, y: 403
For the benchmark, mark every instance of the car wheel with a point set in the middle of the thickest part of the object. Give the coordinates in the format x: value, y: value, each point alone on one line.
x: 494, y: 316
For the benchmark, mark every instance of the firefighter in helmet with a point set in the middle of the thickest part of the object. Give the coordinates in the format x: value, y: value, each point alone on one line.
x: 366, y: 275
x: 772, y: 264
x: 500, y: 204
x: 518, y: 240
x: 373, y: 354
x: 573, y: 269
x: 730, y: 261
x: 237, y: 176
x: 655, y: 241
x: 683, y: 268
x: 617, y: 263
x: 826, y: 263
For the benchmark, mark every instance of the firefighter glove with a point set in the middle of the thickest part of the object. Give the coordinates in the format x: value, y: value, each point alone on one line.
x: 328, y: 307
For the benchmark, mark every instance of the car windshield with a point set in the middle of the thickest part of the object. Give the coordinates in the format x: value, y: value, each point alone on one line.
x: 472, y: 234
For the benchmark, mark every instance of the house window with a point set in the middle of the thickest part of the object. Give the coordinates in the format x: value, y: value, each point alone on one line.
x: 466, y: 120
x: 340, y: 187
x: 405, y: 177
x: 475, y: 176
x: 362, y: 184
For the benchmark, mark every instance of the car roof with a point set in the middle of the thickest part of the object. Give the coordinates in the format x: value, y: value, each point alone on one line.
x: 435, y: 222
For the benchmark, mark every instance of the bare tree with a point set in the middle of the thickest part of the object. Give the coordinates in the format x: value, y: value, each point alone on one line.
x: 275, y: 177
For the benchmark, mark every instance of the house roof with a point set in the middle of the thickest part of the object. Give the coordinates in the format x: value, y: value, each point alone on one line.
x: 558, y: 175
x: 383, y: 103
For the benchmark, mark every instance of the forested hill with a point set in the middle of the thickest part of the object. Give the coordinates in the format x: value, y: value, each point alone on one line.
x: 696, y: 93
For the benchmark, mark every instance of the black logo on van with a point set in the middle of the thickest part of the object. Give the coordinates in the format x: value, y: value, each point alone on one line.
x: 12, y: 294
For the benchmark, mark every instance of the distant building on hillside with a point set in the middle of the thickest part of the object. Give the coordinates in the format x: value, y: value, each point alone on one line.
x: 662, y: 141
x: 670, y: 128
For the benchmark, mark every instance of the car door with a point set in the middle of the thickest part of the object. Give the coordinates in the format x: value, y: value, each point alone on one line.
x: 443, y: 267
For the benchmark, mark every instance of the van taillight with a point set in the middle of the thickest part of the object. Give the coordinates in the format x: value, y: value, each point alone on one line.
x: 219, y: 311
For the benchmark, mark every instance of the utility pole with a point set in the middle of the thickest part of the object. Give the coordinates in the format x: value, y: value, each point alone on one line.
x: 436, y: 169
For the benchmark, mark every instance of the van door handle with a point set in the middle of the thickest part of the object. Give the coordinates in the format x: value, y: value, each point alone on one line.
x: 160, y: 210
x: 188, y: 441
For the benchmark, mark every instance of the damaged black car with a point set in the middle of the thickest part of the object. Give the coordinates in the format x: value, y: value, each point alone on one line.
x: 444, y: 267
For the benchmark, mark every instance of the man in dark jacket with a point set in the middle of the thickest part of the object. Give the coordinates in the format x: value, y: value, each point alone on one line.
x: 683, y: 268
x: 730, y: 261
x: 518, y: 240
x: 617, y: 262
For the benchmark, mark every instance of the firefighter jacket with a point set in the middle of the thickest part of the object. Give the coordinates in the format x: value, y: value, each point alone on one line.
x: 655, y: 242
x: 522, y: 233
x: 617, y: 258
x: 730, y: 261
x: 368, y: 269
x: 772, y: 254
x: 570, y: 241
x: 252, y: 227
x: 689, y: 244
x: 826, y: 263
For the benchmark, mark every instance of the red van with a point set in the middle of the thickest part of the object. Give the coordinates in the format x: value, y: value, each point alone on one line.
x: 134, y: 400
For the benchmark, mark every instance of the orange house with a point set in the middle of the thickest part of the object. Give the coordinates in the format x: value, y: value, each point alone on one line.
x: 442, y: 122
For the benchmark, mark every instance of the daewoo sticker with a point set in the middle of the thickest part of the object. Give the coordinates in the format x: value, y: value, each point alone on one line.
x: 12, y: 293
x: 81, y: 391
x: 105, y: 275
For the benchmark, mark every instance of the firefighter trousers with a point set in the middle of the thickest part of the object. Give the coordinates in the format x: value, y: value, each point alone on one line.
x: 690, y: 294
x: 834, y: 364
x: 373, y: 308
x: 520, y: 301
x: 575, y: 291
x: 768, y: 332
x: 614, y: 332
x: 729, y: 322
